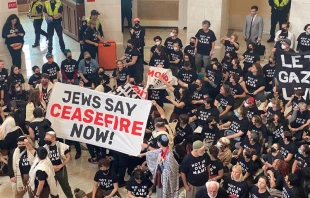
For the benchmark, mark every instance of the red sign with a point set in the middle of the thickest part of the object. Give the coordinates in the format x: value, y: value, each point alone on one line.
x: 12, y: 5
x: 91, y: 0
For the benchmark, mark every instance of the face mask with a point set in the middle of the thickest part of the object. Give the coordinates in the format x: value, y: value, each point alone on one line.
x: 88, y: 59
x: 17, y: 88
x: 44, y: 83
x: 69, y: 57
x: 171, y: 34
x: 48, y: 142
x: 129, y: 46
x: 283, y: 30
x: 22, y: 148
x: 37, y: 74
x: 283, y: 46
x: 101, y: 73
x: 273, y: 150
x: 250, y: 49
x: 269, y: 62
x: 218, y: 144
x: 105, y: 171
x: 299, y: 151
x: 246, y: 104
x: 236, y: 114
x: 157, y: 43
x: 175, y: 48
x: 192, y: 44
x: 137, y: 24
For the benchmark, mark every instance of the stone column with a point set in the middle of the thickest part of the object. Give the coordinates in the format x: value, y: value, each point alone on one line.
x: 7, y: 7
x: 110, y: 18
x: 299, y: 17
x: 214, y: 11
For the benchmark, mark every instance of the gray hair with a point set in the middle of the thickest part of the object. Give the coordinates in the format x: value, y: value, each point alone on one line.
x: 206, y: 22
x: 210, y: 183
x: 302, y: 104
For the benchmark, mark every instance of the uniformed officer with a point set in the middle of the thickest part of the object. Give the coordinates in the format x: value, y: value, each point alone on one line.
x: 91, y: 38
x: 126, y: 6
x: 53, y: 14
x: 279, y: 13
x: 36, y: 14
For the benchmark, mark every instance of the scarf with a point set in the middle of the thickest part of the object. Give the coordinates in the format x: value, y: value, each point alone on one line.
x: 7, y: 126
x: 46, y: 166
x: 170, y: 173
x: 19, y: 186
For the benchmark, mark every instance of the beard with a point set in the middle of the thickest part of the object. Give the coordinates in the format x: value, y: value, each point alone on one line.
x: 212, y: 196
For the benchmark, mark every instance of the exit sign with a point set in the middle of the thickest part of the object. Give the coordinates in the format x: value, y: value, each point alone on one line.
x: 91, y: 0
x: 12, y: 5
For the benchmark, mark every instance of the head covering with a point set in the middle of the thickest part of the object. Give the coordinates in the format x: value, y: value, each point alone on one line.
x: 94, y: 12
x: 51, y: 133
x: 7, y: 126
x: 66, y: 51
x: 251, y: 100
x: 48, y: 55
x: 79, y: 193
x: 287, y: 41
x: 136, y: 20
x: 197, y: 145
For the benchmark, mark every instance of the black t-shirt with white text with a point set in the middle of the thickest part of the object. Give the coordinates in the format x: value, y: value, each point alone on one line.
x: 249, y: 59
x: 229, y: 47
x: 159, y: 60
x: 129, y: 53
x: 253, y: 82
x: 289, y: 192
x: 139, y: 189
x: 69, y: 68
x: 286, y: 149
x: 24, y: 164
x: 105, y: 180
x: 225, y: 101
x: 187, y: 76
x: 54, y: 155
x: 202, y: 114
x: 237, y: 125
x: 51, y: 70
x: 262, y: 129
x: 240, y: 189
x: 174, y: 55
x: 303, y: 42
x: 205, y: 40
x: 235, y: 89
x: 245, y: 144
x: 34, y: 79
x: 121, y: 76
x: 169, y: 44
x: 215, y: 167
x: 247, y: 166
x: 255, y: 194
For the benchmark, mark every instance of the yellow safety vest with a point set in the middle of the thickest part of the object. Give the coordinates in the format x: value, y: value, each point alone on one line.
x: 97, y: 23
x: 49, y: 8
x: 33, y: 6
x: 282, y: 4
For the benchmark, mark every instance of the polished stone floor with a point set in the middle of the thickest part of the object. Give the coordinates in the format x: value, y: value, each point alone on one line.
x: 81, y: 172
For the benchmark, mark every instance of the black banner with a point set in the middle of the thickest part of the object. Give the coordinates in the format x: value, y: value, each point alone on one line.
x: 293, y: 72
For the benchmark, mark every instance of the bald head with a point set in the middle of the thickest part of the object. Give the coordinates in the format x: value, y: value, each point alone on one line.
x: 212, y: 187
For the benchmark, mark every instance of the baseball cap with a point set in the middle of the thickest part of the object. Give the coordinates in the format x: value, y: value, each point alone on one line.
x: 48, y: 55
x: 287, y: 41
x: 94, y: 12
x: 251, y: 100
x: 136, y: 20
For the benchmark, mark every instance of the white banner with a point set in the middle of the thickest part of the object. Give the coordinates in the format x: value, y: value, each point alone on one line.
x: 97, y: 118
x: 152, y: 78
x: 125, y: 90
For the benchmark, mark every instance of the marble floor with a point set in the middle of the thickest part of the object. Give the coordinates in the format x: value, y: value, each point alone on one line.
x: 81, y: 172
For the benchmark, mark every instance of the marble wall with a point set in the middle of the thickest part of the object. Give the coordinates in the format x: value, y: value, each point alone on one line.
x: 299, y: 16
x: 214, y: 11
x: 110, y: 18
x: 4, y: 13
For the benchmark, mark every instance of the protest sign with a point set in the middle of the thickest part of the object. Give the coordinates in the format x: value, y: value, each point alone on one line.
x: 293, y: 72
x: 126, y: 90
x: 154, y: 73
x: 97, y: 118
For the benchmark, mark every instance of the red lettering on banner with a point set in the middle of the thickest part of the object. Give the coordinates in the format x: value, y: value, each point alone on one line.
x: 12, y: 5
x: 152, y: 73
x: 90, y: 116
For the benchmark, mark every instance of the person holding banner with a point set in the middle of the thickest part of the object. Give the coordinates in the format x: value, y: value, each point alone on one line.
x: 302, y: 121
x: 254, y: 83
x: 159, y: 58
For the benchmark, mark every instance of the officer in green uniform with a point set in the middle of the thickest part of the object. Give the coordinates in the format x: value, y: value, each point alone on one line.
x: 36, y: 14
x: 279, y: 14
x: 53, y: 14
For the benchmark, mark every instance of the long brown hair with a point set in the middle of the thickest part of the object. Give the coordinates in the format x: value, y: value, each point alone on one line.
x: 34, y: 97
x: 117, y: 69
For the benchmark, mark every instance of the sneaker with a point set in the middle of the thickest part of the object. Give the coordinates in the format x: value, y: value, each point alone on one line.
x: 271, y: 40
x: 77, y: 155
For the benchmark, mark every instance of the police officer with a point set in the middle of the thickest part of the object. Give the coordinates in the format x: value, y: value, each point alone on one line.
x: 126, y: 13
x: 91, y: 38
x: 279, y: 14
x: 138, y: 35
x: 36, y: 14
x: 53, y: 14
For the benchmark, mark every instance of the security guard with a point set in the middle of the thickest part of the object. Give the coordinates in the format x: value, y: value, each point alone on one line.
x: 53, y: 14
x: 36, y: 14
x: 279, y: 14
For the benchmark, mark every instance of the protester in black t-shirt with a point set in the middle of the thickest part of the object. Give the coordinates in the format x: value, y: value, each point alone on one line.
x: 216, y: 165
x: 158, y: 42
x: 199, y: 94
x: 285, y: 47
x: 195, y: 169
x: 274, y: 154
x: 99, y: 76
x: 205, y: 44
x: 173, y: 37
x: 17, y: 97
x: 183, y: 130
x: 204, y: 111
x: 69, y: 69
x: 51, y: 68
x: 247, y: 164
x: 175, y: 58
x: 159, y: 58
x: 260, y: 191
x: 91, y: 39
x: 288, y: 148
x: 276, y: 93
x: 213, y: 78
x: 277, y: 125
x: 290, y: 188
x: 234, y: 68
x: 139, y: 185
x: 252, y: 142
x: 274, y: 107
x: 134, y: 62
x: 210, y: 132
x: 3, y: 79
x: 296, y: 98
x: 249, y: 58
x: 269, y: 72
x: 276, y: 173
x: 304, y: 40
x: 35, y: 78
x: 235, y: 185
x: 226, y: 63
x: 190, y: 51
x: 301, y: 122
x: 120, y: 74
x: 16, y: 77
x: 302, y: 159
x: 231, y: 44
x: 187, y: 74
x: 236, y: 90
x: 258, y: 127
x: 254, y: 83
x: 105, y: 180
x: 225, y: 102
x: 253, y: 110
x: 137, y: 33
